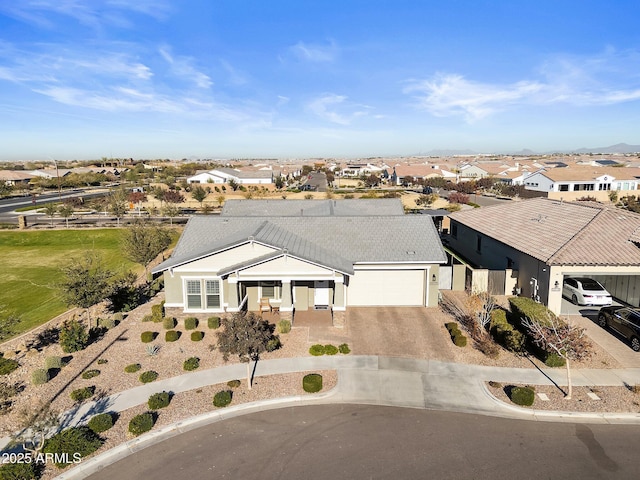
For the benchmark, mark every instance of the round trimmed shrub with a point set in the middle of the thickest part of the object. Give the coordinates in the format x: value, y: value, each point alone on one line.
x: 132, y: 368
x: 107, y: 323
x: 90, y: 374
x: 53, y: 362
x: 213, y: 322
x: 159, y: 400
x: 312, y: 383
x: 330, y: 349
x: 522, y: 396
x: 147, y: 318
x: 101, y: 422
x: 148, y: 337
x: 190, y: 323
x: 82, y: 394
x: 191, y: 364
x: 102, y: 361
x: 459, y: 340
x: 554, y: 360
x: 171, y: 335
x: 40, y: 376
x: 142, y: 423
x: 344, y: 349
x: 273, y: 344
x: 233, y: 383
x: 197, y: 336
x: 284, y: 326
x: 222, y: 398
x: 7, y: 365
x: 148, y: 376
x: 71, y: 441
x: 169, y: 323
x: 157, y: 312
x: 316, y: 350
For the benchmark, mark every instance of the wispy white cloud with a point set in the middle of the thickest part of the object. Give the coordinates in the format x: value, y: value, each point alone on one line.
x: 314, y: 53
x: 234, y: 76
x: 182, y: 67
x: 336, y: 109
x: 598, y: 80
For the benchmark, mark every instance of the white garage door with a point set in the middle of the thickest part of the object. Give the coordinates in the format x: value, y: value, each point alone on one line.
x: 386, y: 287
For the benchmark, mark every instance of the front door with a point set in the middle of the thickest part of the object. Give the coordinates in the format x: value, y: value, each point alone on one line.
x: 321, y: 294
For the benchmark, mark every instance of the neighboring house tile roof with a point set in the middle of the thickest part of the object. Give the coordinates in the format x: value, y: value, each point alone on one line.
x: 584, y: 173
x: 244, y: 173
x: 15, y: 175
x: 312, y: 208
x: 333, y: 241
x: 561, y: 233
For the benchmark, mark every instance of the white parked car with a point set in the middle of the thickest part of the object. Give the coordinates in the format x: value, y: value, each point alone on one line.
x: 585, y: 291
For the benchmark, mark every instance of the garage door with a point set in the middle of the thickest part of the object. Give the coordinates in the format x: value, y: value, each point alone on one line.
x: 386, y: 287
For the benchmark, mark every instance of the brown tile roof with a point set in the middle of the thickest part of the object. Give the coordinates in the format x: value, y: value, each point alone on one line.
x: 590, y: 173
x: 561, y: 233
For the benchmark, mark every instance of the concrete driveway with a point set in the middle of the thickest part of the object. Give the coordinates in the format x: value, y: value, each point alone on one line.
x: 414, y: 332
x: 616, y: 345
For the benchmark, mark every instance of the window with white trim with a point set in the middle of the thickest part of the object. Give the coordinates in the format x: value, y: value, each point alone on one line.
x: 203, y: 294
x: 269, y: 290
x: 194, y: 295
x: 213, y: 293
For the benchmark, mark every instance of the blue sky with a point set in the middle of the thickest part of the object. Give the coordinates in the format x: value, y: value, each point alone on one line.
x: 84, y: 79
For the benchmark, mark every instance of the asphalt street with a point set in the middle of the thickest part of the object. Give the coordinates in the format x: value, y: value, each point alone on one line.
x: 371, y: 442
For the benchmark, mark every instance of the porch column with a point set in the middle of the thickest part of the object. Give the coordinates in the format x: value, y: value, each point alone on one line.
x: 286, y: 305
x: 339, y: 307
x: 232, y: 295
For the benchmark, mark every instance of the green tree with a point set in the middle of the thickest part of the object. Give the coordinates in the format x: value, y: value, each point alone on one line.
x: 5, y: 188
x: 118, y: 205
x: 66, y: 212
x: 199, y: 194
x: 141, y: 243
x: 246, y: 335
x: 50, y: 209
x: 85, y: 281
x: 171, y: 210
x: 233, y: 184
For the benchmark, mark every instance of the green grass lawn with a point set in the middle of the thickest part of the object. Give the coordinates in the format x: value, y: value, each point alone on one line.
x: 30, y: 262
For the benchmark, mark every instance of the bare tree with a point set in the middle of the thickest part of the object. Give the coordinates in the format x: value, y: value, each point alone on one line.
x: 480, y: 306
x: 246, y: 335
x: 568, y: 341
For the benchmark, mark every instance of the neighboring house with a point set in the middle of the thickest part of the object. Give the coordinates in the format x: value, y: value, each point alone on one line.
x: 575, y: 182
x: 15, y: 177
x: 303, y: 255
x: 542, y: 241
x: 50, y: 173
x: 225, y: 175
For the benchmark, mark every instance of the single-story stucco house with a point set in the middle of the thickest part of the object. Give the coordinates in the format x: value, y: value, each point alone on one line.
x: 301, y: 255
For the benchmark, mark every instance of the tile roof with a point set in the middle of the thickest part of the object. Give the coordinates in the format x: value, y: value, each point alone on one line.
x: 561, y: 233
x: 313, y: 208
x: 337, y: 242
x: 578, y: 173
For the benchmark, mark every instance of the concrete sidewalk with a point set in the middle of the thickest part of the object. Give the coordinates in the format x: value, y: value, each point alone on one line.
x: 374, y: 380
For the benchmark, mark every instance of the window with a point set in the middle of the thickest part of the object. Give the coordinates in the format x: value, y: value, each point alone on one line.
x: 563, y: 187
x: 454, y: 230
x: 604, y: 186
x: 269, y: 290
x: 213, y: 293
x: 478, y: 243
x: 194, y: 298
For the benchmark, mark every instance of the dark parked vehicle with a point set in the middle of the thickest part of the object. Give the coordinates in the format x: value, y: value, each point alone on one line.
x: 624, y: 320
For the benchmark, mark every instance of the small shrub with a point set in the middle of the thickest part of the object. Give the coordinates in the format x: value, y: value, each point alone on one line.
x: 222, y: 398
x: 90, y: 374
x: 82, y: 394
x: 148, y: 337
x: 118, y: 317
x: 53, y: 362
x: 141, y: 423
x: 159, y: 400
x: 7, y: 365
x: 284, y: 326
x: 213, y: 322
x: 191, y: 364
x: 330, y: 349
x: 132, y: 368
x: 169, y: 323
x: 554, y: 360
x: 451, y: 326
x: 197, y: 336
x: 171, y: 336
x: 72, y: 441
x: 107, y: 323
x: 273, y: 344
x: 157, y: 312
x: 147, y: 318
x: 101, y: 422
x: 344, y: 349
x: 312, y: 383
x: 73, y: 336
x: 522, y: 396
x: 460, y: 340
x: 495, y: 384
x: 148, y: 376
x: 152, y: 350
x: 40, y: 376
x: 316, y: 350
x: 233, y: 383
x: 102, y: 361
x: 190, y: 323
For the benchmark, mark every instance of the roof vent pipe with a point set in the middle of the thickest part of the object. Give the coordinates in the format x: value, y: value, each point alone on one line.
x: 251, y: 239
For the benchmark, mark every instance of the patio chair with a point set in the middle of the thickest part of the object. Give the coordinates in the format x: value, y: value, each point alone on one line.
x: 264, y: 305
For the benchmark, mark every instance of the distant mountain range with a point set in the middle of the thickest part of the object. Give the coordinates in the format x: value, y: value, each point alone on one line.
x: 617, y: 148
